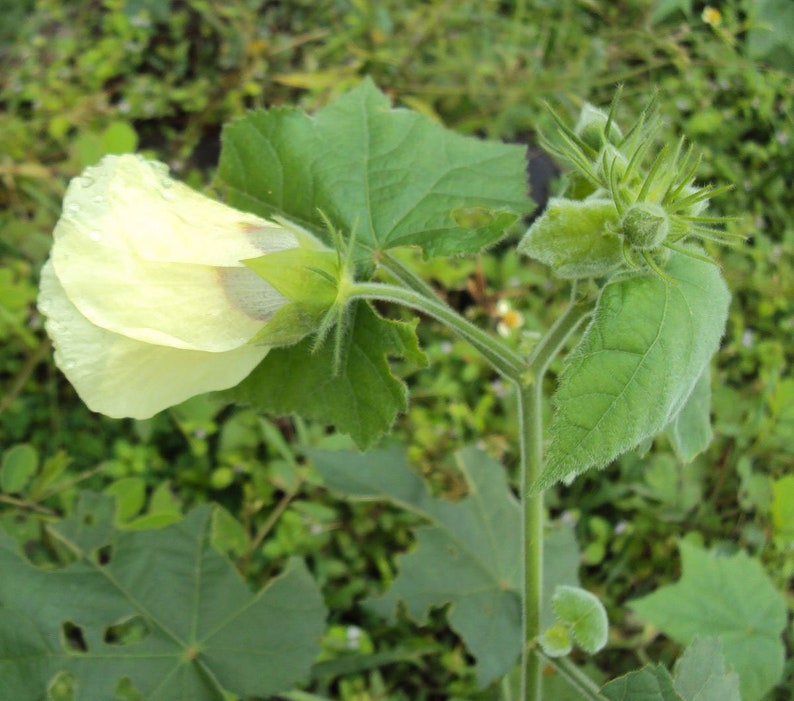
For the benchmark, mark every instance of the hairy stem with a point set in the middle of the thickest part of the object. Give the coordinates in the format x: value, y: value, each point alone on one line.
x: 530, y: 413
x: 575, y: 677
x: 503, y: 359
x: 527, y: 376
x: 407, y: 277
x: 530, y: 416
x: 555, y: 338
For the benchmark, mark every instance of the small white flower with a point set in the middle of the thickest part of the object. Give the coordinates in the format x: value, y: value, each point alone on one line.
x: 146, y: 298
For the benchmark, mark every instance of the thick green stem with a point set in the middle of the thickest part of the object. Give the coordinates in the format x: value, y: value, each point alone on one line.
x: 555, y: 338
x: 527, y: 376
x: 503, y: 359
x: 531, y: 424
x: 530, y: 406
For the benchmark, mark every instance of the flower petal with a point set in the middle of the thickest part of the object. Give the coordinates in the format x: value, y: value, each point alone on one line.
x: 121, y: 377
x: 185, y: 306
x: 161, y: 263
x: 133, y: 204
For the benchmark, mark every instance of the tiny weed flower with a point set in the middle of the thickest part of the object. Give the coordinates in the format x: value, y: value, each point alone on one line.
x: 508, y: 318
x: 711, y: 16
x: 146, y: 296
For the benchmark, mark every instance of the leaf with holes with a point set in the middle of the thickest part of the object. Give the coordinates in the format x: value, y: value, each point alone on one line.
x: 469, y: 555
x: 391, y: 176
x: 158, y: 613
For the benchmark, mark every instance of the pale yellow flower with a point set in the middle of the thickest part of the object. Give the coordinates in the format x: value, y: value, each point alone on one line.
x: 146, y: 298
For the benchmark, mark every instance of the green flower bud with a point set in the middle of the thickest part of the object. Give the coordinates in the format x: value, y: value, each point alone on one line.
x: 591, y: 127
x: 645, y: 225
x: 147, y: 299
x: 576, y: 238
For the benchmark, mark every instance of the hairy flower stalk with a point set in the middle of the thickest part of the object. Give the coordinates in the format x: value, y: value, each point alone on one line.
x: 147, y: 299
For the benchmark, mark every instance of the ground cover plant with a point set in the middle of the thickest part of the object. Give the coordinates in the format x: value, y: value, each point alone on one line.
x: 354, y: 536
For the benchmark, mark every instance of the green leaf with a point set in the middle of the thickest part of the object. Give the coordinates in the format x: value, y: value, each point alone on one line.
x: 362, y: 400
x: 636, y: 364
x: 699, y: 676
x: 769, y: 36
x: 576, y: 238
x: 731, y: 598
x: 700, y: 673
x: 584, y: 614
x: 469, y: 555
x: 20, y: 463
x: 130, y: 494
x: 666, y: 8
x: 782, y: 507
x: 690, y: 431
x: 651, y: 683
x: 557, y: 641
x: 391, y: 176
x: 159, y: 607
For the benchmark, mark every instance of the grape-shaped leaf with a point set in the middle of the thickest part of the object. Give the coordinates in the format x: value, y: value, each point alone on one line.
x: 158, y: 611
x: 391, y: 176
x: 384, y: 178
x: 469, y: 555
x: 636, y: 365
x: 731, y: 598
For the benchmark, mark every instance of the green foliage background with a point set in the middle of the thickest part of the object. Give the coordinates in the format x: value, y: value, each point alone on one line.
x: 82, y: 79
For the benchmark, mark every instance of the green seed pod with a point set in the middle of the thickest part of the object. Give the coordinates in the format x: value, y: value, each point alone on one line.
x: 645, y: 225
x: 576, y: 238
x: 591, y: 127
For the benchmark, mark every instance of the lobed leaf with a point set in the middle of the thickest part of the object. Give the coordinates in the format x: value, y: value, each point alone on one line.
x: 700, y: 673
x: 159, y: 608
x: 651, y: 683
x: 360, y: 396
x: 468, y: 556
x: 732, y: 599
x: 391, y: 176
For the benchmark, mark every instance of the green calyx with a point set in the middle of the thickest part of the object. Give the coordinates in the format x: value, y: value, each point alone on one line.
x: 310, y: 278
x: 645, y: 226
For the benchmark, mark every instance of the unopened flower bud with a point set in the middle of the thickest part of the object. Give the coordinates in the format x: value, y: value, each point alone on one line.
x: 645, y: 225
x: 591, y: 127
